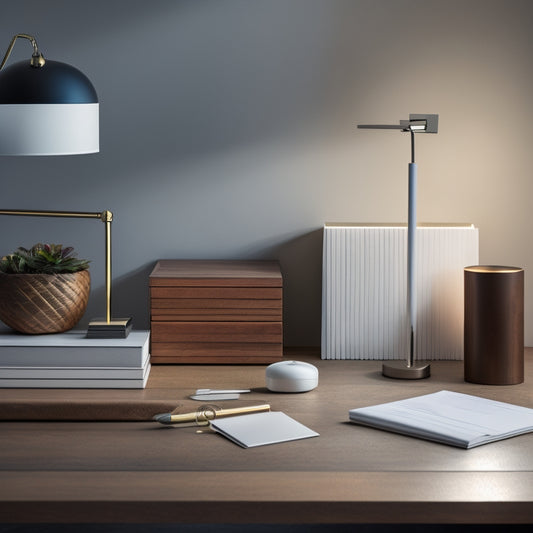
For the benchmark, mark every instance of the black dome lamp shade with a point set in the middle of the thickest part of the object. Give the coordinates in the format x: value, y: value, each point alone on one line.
x: 46, y: 107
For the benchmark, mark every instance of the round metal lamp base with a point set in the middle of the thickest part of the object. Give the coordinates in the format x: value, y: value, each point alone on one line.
x: 400, y: 370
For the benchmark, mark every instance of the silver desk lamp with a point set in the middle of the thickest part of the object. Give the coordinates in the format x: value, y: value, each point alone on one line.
x: 408, y: 369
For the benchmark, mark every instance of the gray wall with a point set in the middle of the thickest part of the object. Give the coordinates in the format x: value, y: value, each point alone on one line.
x: 228, y: 131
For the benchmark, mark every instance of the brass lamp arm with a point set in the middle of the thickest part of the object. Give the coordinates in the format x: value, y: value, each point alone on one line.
x: 104, y: 216
x: 37, y: 59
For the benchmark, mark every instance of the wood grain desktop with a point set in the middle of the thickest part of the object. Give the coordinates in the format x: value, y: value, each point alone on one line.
x: 143, y: 472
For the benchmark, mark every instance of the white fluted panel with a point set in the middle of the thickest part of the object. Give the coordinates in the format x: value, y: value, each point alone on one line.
x: 364, y: 292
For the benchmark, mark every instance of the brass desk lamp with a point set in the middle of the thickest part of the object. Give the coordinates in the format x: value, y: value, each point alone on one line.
x: 51, y: 108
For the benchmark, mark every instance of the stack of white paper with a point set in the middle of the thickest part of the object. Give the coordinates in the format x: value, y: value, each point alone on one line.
x: 449, y: 417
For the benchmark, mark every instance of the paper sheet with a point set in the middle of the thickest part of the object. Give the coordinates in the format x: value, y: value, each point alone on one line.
x: 259, y: 429
x: 449, y: 417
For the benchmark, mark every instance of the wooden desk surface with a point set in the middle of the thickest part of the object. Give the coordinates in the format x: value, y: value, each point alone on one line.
x: 147, y: 473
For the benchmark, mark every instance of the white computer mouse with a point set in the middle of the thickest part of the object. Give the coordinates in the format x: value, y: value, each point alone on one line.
x: 291, y: 376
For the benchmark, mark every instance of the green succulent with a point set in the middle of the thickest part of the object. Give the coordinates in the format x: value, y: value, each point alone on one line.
x: 43, y: 259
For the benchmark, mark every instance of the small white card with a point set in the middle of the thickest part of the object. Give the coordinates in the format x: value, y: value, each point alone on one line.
x: 259, y: 429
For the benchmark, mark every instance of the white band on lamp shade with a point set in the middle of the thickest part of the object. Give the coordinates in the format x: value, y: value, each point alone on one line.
x: 49, y: 129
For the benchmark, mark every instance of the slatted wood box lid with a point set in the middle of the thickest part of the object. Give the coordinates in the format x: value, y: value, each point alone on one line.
x: 216, y: 312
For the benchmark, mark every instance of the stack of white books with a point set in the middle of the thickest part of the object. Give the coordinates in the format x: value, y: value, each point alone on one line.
x: 71, y: 360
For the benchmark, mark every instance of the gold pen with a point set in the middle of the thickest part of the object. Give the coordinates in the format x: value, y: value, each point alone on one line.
x: 207, y: 413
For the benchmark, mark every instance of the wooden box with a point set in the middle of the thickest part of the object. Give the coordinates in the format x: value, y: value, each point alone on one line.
x: 216, y: 312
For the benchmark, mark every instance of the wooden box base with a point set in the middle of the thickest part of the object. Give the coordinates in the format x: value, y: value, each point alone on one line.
x: 216, y: 312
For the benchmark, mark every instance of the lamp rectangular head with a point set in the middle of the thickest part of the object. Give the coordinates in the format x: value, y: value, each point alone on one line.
x: 424, y: 123
x: 417, y: 123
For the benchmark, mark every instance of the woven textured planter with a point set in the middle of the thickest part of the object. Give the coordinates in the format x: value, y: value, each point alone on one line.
x: 43, y: 303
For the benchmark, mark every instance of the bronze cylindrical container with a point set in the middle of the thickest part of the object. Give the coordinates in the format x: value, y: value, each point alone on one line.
x: 494, y: 325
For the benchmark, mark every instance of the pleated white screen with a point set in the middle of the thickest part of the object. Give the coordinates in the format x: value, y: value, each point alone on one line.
x: 364, y: 290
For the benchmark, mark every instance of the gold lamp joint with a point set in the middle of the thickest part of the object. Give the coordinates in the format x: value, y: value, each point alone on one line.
x: 37, y: 59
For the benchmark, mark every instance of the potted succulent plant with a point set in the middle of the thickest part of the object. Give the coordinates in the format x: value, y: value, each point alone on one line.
x: 44, y: 289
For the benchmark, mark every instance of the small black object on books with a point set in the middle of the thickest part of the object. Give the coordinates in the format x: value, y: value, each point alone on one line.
x: 118, y: 328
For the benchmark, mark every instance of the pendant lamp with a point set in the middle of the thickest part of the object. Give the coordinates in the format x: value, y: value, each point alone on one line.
x: 46, y: 107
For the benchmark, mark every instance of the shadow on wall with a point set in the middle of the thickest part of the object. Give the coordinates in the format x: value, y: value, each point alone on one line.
x: 300, y: 258
x: 301, y: 265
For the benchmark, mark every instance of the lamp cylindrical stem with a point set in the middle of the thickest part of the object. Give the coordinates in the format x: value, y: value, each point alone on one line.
x: 411, y: 260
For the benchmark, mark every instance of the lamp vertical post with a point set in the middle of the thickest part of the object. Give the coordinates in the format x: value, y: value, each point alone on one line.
x: 411, y: 254
x: 409, y: 369
x: 107, y: 217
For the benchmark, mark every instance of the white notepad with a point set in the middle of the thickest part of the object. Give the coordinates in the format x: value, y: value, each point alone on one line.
x: 258, y: 429
x: 449, y: 417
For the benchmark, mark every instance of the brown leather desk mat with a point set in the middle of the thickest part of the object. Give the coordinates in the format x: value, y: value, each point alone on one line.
x: 90, y: 404
x: 82, y: 410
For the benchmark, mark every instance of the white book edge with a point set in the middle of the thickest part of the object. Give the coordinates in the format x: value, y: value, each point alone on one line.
x: 448, y: 417
x: 77, y: 383
x: 72, y: 349
x: 72, y: 372
x: 72, y: 337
